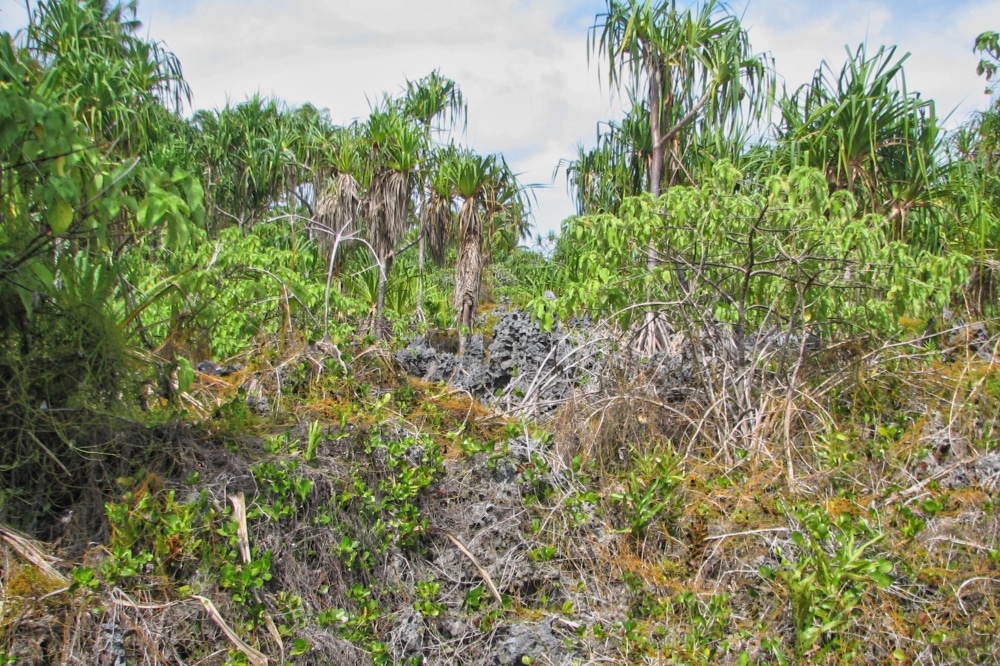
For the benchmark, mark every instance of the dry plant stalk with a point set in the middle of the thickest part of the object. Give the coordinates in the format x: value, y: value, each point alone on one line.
x: 482, y: 572
x: 31, y: 550
x: 256, y: 657
x: 243, y: 536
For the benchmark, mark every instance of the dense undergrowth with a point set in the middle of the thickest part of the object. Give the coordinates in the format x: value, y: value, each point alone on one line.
x: 742, y: 410
x: 363, y: 509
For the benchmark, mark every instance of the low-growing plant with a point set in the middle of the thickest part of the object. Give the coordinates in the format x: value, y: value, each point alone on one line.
x: 358, y: 626
x: 474, y: 598
x: 241, y: 579
x: 544, y: 554
x: 427, y: 598
x: 649, y: 491
x: 285, y: 491
x: 315, y: 438
x: 353, y: 555
x: 828, y: 577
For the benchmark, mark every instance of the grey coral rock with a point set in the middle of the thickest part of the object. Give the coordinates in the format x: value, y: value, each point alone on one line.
x: 529, y: 641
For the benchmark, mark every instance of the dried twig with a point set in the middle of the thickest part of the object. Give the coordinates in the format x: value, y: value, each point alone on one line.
x: 465, y: 551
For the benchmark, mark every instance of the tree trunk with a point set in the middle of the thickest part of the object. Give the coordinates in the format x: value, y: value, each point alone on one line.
x: 468, y: 280
x: 420, y: 278
x: 382, y: 328
x: 649, y: 338
x: 656, y: 132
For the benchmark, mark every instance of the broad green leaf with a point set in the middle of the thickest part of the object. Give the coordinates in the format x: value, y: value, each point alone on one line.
x: 60, y: 217
x: 177, y: 232
x: 185, y: 374
x: 43, y: 273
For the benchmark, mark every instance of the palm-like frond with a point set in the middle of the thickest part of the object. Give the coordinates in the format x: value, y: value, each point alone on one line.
x: 867, y: 131
x: 94, y: 61
x: 687, y: 72
x: 432, y: 97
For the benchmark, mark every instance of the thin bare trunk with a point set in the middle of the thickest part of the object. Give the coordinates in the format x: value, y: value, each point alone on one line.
x: 649, y: 339
x: 468, y: 271
x: 386, y: 212
x: 382, y: 328
x: 656, y: 158
x: 420, y: 278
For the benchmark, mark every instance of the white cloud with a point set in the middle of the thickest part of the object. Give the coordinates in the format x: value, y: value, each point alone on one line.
x: 941, y: 65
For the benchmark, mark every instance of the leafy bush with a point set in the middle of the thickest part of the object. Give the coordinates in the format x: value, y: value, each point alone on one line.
x: 782, y: 252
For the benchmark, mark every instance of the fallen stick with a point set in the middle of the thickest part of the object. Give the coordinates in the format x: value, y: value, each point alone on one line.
x: 475, y: 563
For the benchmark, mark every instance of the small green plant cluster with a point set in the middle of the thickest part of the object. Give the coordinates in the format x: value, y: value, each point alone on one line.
x: 354, y: 555
x: 151, y: 532
x: 650, y: 629
x: 156, y: 539
x: 536, y: 472
x: 243, y: 579
x: 359, y: 626
x: 649, y: 491
x: 582, y: 506
x: 427, y: 598
x: 282, y: 444
x: 709, y: 634
x: 828, y: 577
x: 285, y: 491
x: 387, y: 499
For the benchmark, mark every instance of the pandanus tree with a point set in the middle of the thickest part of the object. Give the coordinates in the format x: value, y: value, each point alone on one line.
x: 493, y: 208
x: 471, y: 177
x: 123, y: 90
x: 617, y: 167
x: 869, y: 134
x: 988, y: 122
x: 696, y: 68
x: 339, y: 199
x: 395, y: 144
x: 249, y: 153
x: 85, y: 56
x: 428, y: 100
x: 336, y: 218
x: 114, y: 81
x: 697, y: 71
x: 437, y: 212
x: 314, y: 132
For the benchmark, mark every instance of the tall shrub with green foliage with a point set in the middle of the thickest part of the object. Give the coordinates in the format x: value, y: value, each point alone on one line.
x: 784, y: 252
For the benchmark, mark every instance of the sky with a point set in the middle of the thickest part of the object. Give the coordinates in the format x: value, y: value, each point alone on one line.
x: 533, y: 93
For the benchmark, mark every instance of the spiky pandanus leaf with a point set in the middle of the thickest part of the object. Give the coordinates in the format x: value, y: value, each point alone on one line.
x: 506, y: 209
x: 434, y: 96
x: 436, y: 217
x: 870, y: 134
